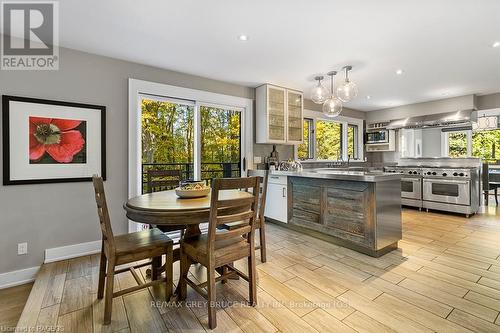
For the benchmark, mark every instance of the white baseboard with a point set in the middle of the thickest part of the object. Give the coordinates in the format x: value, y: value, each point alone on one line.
x: 72, y: 251
x: 22, y: 276
x: 16, y: 278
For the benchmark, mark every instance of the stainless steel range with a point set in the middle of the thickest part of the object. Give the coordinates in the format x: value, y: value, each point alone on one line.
x: 411, y: 185
x: 451, y: 189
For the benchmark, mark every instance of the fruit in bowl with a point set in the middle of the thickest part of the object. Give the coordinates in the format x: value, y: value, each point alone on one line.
x: 192, y: 189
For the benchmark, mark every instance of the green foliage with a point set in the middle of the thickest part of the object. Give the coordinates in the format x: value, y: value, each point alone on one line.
x: 303, y: 148
x: 167, y: 132
x: 220, y: 139
x: 352, y: 131
x: 168, y: 137
x: 457, y: 144
x: 328, y: 140
x: 486, y: 144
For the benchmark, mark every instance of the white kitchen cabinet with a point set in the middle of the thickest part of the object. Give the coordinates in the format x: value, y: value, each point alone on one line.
x: 279, y: 115
x: 276, y: 199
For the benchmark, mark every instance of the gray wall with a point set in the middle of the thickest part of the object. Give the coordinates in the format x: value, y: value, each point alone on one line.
x: 53, y: 215
x: 487, y: 102
x: 347, y: 112
x: 419, y: 109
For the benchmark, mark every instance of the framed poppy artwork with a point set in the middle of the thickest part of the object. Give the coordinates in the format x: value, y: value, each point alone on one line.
x: 48, y: 141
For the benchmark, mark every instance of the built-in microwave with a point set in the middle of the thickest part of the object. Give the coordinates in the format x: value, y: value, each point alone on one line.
x: 376, y: 137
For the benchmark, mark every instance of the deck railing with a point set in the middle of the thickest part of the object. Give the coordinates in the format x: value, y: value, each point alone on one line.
x: 209, y: 171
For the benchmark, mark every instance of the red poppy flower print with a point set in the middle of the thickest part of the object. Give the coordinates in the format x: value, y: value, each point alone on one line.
x: 59, y: 138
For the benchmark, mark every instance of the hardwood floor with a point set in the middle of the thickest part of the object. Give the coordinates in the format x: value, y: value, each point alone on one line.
x: 12, y: 302
x: 445, y: 277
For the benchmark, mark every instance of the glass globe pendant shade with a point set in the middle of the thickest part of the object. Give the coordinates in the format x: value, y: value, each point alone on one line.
x: 332, y: 107
x: 347, y: 91
x: 319, y: 94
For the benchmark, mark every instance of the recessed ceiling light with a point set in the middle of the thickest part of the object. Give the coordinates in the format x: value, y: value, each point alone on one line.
x: 399, y: 71
x: 243, y: 38
x: 368, y: 97
x: 496, y: 44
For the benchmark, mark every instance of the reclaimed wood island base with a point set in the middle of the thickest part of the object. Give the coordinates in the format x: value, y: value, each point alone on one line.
x: 357, y: 210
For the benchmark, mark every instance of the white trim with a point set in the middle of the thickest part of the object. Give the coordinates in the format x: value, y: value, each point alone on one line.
x: 19, y: 277
x: 315, y: 115
x: 72, y: 251
x: 138, y: 87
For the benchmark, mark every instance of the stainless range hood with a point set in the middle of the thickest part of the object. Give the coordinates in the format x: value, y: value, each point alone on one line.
x: 433, y: 120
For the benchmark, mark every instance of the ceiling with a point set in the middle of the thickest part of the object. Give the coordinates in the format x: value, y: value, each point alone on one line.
x: 444, y: 47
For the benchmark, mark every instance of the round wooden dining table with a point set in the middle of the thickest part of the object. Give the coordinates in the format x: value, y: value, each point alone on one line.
x: 166, y: 209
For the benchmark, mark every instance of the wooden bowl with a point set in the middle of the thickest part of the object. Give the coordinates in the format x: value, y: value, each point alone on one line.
x: 184, y: 194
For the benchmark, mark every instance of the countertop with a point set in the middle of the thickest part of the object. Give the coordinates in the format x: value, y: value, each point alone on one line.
x: 361, y: 176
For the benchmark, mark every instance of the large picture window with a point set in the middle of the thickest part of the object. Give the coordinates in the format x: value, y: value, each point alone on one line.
x: 481, y: 144
x: 327, y: 139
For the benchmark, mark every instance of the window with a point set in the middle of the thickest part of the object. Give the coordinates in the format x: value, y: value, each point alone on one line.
x: 486, y: 145
x: 305, y: 150
x: 328, y: 140
x: 352, y: 141
x: 220, y: 143
x: 167, y: 136
x: 457, y: 144
x: 481, y: 144
x: 178, y: 140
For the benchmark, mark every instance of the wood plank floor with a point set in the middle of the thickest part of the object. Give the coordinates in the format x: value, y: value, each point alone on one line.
x: 12, y: 302
x: 445, y: 277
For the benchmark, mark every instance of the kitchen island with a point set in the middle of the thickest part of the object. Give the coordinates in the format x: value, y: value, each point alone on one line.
x: 356, y: 209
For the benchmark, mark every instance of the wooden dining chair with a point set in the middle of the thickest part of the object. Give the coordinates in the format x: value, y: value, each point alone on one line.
x: 489, y: 184
x: 125, y: 249
x: 261, y: 220
x: 161, y: 180
x: 220, y: 248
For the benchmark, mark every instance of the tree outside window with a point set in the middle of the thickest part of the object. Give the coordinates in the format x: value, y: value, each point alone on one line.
x: 304, y: 149
x: 328, y: 140
x: 457, y: 144
x: 486, y: 145
x: 352, y: 141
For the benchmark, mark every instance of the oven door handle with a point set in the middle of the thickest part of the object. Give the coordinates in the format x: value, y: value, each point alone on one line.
x: 414, y: 180
x: 447, y: 181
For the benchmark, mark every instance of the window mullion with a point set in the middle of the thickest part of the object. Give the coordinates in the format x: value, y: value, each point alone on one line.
x: 197, y: 142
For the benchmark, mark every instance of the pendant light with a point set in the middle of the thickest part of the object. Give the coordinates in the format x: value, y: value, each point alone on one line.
x: 332, y: 106
x: 319, y: 94
x: 348, y: 90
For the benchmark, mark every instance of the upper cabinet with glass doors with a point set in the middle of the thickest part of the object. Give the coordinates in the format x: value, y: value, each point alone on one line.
x: 279, y: 115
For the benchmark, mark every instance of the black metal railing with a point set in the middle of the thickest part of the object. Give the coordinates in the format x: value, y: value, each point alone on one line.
x: 209, y: 171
